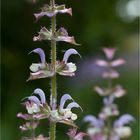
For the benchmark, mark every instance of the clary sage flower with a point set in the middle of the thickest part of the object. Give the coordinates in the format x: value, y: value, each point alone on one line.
x: 38, y: 108
x: 60, y: 35
x: 97, y: 129
x: 43, y: 69
x: 65, y: 115
x: 117, y: 91
x: 121, y: 131
x: 110, y: 63
x: 109, y: 109
x: 49, y: 11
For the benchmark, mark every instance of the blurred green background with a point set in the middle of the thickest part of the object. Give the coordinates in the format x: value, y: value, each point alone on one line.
x: 95, y: 23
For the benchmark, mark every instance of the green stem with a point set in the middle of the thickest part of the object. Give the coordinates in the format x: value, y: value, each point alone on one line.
x: 109, y: 120
x: 53, y: 79
x: 33, y: 130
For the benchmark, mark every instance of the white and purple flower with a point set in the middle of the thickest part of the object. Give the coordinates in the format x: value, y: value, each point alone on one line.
x: 44, y: 70
x: 110, y: 63
x: 119, y: 128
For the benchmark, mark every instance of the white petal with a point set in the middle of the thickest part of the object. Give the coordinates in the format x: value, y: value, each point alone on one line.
x: 68, y: 53
x: 41, y: 94
x: 35, y: 67
x: 123, y: 132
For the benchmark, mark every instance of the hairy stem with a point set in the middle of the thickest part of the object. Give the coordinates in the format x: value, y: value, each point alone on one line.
x: 53, y: 79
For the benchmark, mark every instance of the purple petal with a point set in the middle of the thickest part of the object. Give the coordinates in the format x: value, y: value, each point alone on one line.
x: 41, y: 14
x: 64, y: 98
x: 119, y: 91
x: 73, y: 104
x: 62, y: 31
x: 67, y: 39
x: 99, y: 90
x: 102, y: 63
x: 109, y: 52
x: 109, y: 100
x: 66, y: 10
x: 41, y: 94
x: 24, y: 116
x: 117, y: 62
x: 41, y: 54
x: 72, y: 132
x: 80, y: 136
x: 34, y: 99
x: 68, y: 53
x: 40, y: 74
x: 47, y: 11
x: 124, y: 119
x: 94, y: 121
x: 110, y: 74
x: 62, y: 35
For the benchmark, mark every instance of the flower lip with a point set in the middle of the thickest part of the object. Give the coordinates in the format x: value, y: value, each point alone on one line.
x: 41, y: 54
x: 68, y: 53
x: 124, y: 119
x: 94, y: 121
x: 41, y: 94
x: 74, y: 104
x: 34, y: 99
x: 64, y: 98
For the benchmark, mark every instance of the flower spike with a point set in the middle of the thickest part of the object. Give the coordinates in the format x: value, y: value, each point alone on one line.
x: 40, y: 92
x: 68, y: 53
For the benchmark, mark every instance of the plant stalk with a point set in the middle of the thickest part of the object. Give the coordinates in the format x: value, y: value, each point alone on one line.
x: 109, y: 119
x: 53, y: 79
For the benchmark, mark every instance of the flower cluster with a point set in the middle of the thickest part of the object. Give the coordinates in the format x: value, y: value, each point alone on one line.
x: 102, y: 128
x: 38, y: 109
x: 98, y: 130
x: 44, y: 69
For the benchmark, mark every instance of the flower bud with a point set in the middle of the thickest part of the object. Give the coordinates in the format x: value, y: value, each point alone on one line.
x: 74, y: 117
x: 123, y: 132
